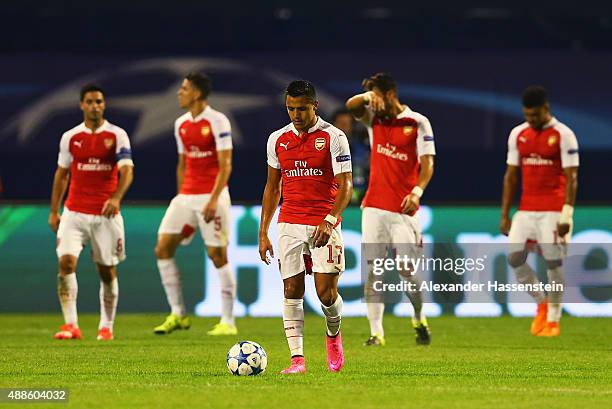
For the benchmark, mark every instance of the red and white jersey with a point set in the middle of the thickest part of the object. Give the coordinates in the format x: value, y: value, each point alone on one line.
x: 199, y: 139
x: 309, y: 163
x: 542, y: 155
x: 397, y: 145
x: 94, y: 160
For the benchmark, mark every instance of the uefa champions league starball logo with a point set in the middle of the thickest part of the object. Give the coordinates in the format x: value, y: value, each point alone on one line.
x: 148, y: 89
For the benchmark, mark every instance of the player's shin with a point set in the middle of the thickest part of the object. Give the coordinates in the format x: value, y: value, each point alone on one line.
x: 171, y: 280
x: 67, y: 290
x: 228, y: 293
x: 333, y: 316
x: 556, y: 277
x: 375, y: 308
x: 415, y: 297
x: 526, y: 275
x: 293, y: 321
x: 109, y: 295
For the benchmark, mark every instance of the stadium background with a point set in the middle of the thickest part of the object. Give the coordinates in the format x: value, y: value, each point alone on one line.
x: 448, y: 61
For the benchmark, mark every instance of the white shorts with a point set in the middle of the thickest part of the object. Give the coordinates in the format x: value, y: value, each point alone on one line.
x: 384, y: 227
x: 540, y: 227
x: 297, y: 253
x: 184, y: 216
x: 106, y: 236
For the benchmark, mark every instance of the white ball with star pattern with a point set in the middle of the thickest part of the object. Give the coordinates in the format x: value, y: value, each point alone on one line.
x: 247, y: 358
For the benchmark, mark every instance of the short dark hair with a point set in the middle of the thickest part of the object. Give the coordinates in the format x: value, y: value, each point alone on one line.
x: 382, y: 80
x: 534, y: 96
x: 201, y: 82
x: 340, y: 111
x: 90, y: 88
x: 301, y: 88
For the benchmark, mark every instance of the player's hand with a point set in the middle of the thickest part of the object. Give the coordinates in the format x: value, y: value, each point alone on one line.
x: 504, y: 225
x: 563, y: 229
x: 322, y: 233
x: 210, y: 210
x: 410, y: 204
x: 54, y: 220
x: 111, y: 207
x: 377, y: 103
x: 264, y: 247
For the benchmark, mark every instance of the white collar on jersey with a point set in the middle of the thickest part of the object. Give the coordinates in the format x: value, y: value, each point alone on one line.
x: 100, y: 129
x: 315, y: 127
x: 406, y: 112
x: 200, y: 115
x: 553, y: 121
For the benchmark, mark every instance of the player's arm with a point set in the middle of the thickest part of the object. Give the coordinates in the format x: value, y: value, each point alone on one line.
x: 224, y: 158
x: 180, y: 172
x: 60, y: 183
x: 570, y: 162
x: 412, y: 201
x: 508, y: 193
x: 112, y: 205
x: 269, y: 203
x: 60, y: 180
x: 343, y: 197
x: 357, y: 104
x: 343, y: 172
x: 123, y: 155
x: 567, y: 213
x: 513, y: 161
x: 426, y: 150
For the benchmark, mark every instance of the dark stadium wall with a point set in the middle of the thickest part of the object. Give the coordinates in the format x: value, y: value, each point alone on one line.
x: 472, y: 101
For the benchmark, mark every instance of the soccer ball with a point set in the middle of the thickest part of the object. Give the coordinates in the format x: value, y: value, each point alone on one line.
x: 247, y: 358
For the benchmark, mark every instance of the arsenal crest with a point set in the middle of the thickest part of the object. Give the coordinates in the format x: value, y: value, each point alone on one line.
x: 205, y: 131
x: 552, y: 139
x: 320, y: 143
x: 108, y: 143
x: 408, y: 130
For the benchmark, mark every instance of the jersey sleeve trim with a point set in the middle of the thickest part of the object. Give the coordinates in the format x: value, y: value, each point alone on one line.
x: 425, y: 137
x: 64, y: 158
x: 340, y: 151
x: 180, y: 148
x: 569, y: 148
x: 272, y: 156
x: 514, y: 158
x: 222, y: 132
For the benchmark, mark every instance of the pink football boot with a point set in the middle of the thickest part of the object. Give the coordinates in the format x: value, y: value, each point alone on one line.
x: 298, y: 365
x: 335, y: 354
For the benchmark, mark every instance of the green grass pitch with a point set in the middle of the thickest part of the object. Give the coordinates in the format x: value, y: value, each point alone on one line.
x: 472, y: 363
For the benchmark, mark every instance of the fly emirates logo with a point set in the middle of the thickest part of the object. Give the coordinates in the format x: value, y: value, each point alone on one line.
x: 391, y: 151
x: 302, y: 169
x: 195, y: 152
x: 537, y: 160
x: 94, y: 165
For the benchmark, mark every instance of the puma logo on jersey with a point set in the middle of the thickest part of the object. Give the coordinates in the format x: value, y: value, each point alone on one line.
x: 285, y: 145
x: 77, y: 143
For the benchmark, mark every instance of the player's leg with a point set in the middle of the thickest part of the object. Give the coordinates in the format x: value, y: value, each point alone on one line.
x: 522, y: 230
x: 178, y: 226
x: 109, y: 295
x: 406, y: 238
x: 216, y: 236
x: 70, y: 239
x: 227, y: 325
x: 553, y: 251
x: 328, y: 263
x: 108, y: 250
x: 291, y: 263
x: 375, y: 236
